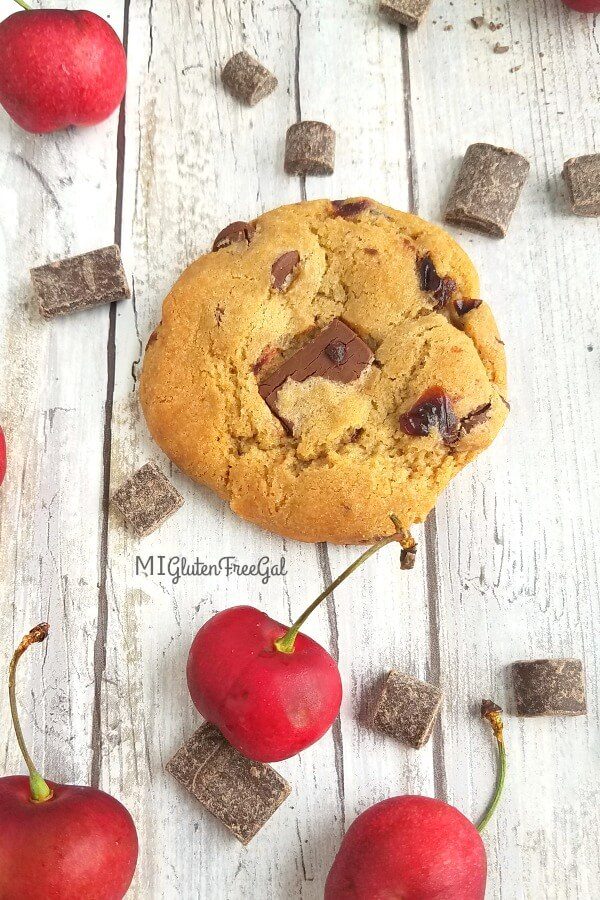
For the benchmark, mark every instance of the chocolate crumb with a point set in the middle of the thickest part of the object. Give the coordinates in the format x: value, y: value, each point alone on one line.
x: 501, y: 48
x: 477, y: 21
x: 514, y: 69
x: 336, y: 351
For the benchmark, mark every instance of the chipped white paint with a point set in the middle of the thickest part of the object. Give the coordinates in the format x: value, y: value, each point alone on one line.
x: 509, y: 564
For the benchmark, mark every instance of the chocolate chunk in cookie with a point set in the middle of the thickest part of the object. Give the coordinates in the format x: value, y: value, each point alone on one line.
x: 349, y: 209
x: 310, y: 149
x: 241, y: 793
x: 235, y: 233
x: 582, y: 176
x: 432, y: 410
x: 478, y: 417
x: 80, y: 282
x: 407, y: 709
x: 406, y: 12
x: 322, y: 356
x: 247, y: 79
x: 147, y: 499
x: 487, y: 189
x: 549, y: 687
x: 463, y: 305
x: 284, y: 270
x: 440, y: 288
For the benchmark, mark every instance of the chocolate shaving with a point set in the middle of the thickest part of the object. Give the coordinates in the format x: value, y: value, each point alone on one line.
x: 236, y: 232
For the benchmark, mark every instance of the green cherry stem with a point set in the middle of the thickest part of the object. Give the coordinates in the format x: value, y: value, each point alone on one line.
x: 40, y: 792
x: 493, y: 714
x: 285, y: 644
x: 23, y: 5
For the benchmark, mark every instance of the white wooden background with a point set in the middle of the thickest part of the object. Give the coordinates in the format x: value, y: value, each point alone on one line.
x: 508, y: 566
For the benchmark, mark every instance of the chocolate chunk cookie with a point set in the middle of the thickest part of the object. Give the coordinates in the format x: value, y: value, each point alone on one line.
x: 325, y: 365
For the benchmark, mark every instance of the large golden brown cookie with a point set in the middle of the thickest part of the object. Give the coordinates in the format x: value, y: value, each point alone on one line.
x: 326, y: 365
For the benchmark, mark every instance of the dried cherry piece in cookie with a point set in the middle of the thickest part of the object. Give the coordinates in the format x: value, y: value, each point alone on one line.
x: 347, y: 209
x: 283, y: 270
x: 234, y: 233
x: 432, y: 410
x: 466, y: 305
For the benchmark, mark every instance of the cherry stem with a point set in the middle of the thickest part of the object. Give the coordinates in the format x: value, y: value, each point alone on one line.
x: 286, y: 643
x: 493, y: 714
x: 24, y: 5
x: 40, y: 792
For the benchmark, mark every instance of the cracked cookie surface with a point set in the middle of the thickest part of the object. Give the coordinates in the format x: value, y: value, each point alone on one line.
x: 332, y: 460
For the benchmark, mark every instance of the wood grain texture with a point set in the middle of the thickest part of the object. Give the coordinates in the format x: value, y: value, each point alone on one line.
x: 508, y: 565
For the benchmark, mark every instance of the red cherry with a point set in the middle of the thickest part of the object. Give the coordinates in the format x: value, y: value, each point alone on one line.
x: 271, y: 690
x: 270, y: 705
x: 416, y: 848
x: 2, y: 456
x: 585, y: 6
x: 60, y: 841
x: 60, y: 68
x: 411, y: 847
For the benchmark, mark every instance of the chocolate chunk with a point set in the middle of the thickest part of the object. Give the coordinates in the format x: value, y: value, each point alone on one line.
x: 432, y: 410
x: 582, y: 176
x: 477, y: 21
x: 247, y: 79
x: 549, y: 687
x: 147, y: 499
x: 80, y: 282
x: 487, y: 189
x: 475, y: 418
x: 406, y: 12
x: 313, y: 359
x: 465, y: 305
x: 441, y: 288
x: 235, y: 233
x: 336, y: 351
x: 407, y: 709
x: 348, y: 209
x: 241, y: 793
x: 310, y: 149
x: 283, y: 270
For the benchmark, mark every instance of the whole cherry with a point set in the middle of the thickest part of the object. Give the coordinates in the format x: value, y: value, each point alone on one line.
x: 2, y: 455
x: 416, y: 847
x: 59, y: 68
x: 271, y: 690
x: 60, y: 841
x: 584, y: 6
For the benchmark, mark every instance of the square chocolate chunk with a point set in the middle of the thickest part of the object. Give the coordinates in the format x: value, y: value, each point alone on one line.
x: 310, y: 149
x: 487, y: 189
x: 549, y: 687
x: 241, y: 793
x: 582, y: 175
x: 247, y: 79
x: 406, y: 12
x: 408, y: 709
x: 336, y: 353
x: 147, y: 499
x: 80, y: 282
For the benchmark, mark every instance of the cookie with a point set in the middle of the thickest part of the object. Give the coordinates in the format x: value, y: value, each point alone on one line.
x: 328, y: 364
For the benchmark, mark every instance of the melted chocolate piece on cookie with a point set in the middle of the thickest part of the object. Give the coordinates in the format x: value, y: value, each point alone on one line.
x: 466, y: 305
x: 321, y: 357
x: 432, y: 410
x: 432, y: 283
x: 233, y: 234
x: 283, y: 270
x: 347, y: 209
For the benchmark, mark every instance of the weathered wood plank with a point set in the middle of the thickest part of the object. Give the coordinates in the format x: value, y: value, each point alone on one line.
x: 514, y: 543
x: 53, y: 377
